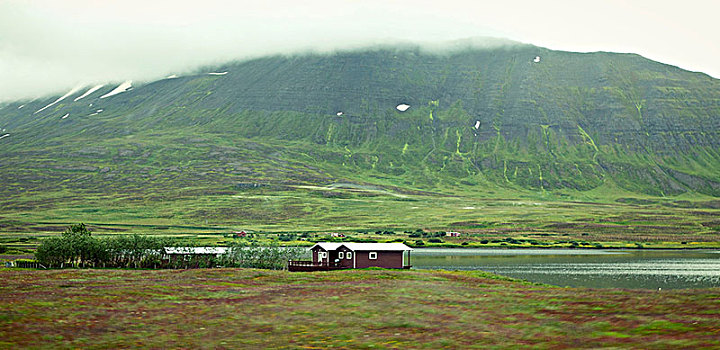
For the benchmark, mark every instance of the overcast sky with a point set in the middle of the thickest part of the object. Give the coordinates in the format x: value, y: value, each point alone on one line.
x: 51, y: 46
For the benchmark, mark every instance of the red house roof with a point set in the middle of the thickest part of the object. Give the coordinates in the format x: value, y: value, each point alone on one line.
x: 332, y: 256
x: 363, y: 246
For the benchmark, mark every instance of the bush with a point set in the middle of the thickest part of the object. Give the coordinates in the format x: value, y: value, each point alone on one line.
x: 287, y: 237
x: 261, y: 257
x: 435, y: 240
x: 135, y: 251
x: 76, y: 247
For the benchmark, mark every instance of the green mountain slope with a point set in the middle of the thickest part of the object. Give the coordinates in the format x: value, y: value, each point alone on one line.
x: 490, y: 122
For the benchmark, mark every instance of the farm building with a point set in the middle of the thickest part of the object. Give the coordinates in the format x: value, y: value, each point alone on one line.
x: 452, y: 234
x: 195, y: 251
x: 335, y: 256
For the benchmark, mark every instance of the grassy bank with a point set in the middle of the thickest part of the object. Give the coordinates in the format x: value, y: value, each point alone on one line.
x: 500, y: 219
x: 246, y: 308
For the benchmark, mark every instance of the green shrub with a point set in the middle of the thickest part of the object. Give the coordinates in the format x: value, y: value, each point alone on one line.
x: 261, y: 257
x: 76, y: 247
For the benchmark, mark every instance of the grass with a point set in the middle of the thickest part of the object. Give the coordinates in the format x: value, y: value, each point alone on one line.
x: 352, y: 309
x: 532, y: 220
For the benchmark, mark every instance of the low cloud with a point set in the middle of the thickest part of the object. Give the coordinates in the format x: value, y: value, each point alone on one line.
x: 49, y: 47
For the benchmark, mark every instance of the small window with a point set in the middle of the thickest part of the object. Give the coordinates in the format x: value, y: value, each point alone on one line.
x: 348, y: 255
x: 373, y: 255
x: 341, y: 255
x: 321, y: 255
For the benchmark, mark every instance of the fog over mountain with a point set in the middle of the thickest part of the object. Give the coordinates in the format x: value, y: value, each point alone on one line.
x: 49, y: 47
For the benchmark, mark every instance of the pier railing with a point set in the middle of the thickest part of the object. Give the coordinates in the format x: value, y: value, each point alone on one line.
x: 304, y: 265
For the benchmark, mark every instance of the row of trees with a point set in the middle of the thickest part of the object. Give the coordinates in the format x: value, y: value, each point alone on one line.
x: 260, y: 257
x: 76, y: 247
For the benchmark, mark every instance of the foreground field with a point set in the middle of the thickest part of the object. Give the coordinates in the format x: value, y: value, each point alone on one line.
x: 246, y: 308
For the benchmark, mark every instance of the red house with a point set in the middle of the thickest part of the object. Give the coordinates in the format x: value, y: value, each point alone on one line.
x: 335, y: 256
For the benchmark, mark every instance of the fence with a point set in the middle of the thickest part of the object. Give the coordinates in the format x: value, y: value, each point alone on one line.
x: 28, y: 264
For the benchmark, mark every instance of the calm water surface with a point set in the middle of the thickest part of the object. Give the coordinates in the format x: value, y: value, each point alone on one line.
x: 650, y: 269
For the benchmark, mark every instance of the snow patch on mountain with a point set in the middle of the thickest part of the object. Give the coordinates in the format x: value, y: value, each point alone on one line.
x: 90, y: 91
x: 402, y: 107
x: 127, y: 85
x: 74, y: 90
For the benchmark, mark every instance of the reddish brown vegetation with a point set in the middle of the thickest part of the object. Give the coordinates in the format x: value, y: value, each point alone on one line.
x: 236, y: 308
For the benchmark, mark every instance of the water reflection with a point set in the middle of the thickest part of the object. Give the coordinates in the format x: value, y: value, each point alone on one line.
x: 650, y: 269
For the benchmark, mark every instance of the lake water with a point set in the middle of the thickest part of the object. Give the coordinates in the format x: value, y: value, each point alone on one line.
x: 649, y: 269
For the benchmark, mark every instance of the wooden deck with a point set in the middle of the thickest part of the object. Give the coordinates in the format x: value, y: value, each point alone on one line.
x: 308, y: 266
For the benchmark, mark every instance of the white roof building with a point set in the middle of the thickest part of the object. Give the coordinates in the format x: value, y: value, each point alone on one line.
x: 363, y: 246
x: 196, y: 250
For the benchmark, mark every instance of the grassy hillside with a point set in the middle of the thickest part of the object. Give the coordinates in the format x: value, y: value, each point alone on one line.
x: 314, y: 142
x: 241, y: 308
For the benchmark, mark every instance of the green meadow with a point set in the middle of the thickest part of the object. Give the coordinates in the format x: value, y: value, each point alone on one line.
x: 310, y: 213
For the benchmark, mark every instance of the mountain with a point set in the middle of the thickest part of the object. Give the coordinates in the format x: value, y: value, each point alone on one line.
x: 517, y: 119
